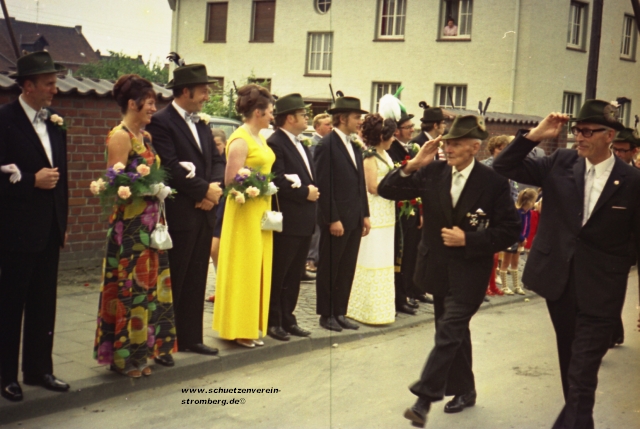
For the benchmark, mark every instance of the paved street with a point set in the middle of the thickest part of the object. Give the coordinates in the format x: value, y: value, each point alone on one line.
x: 363, y: 384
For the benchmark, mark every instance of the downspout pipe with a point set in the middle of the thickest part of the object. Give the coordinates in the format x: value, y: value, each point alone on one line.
x: 514, y: 61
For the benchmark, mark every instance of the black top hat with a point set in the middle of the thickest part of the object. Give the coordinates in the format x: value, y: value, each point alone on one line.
x: 289, y: 103
x: 628, y: 135
x: 431, y: 114
x: 469, y: 126
x: 345, y: 105
x: 36, y: 63
x: 600, y: 112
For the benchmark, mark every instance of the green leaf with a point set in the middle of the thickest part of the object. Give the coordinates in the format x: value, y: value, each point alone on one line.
x: 123, y: 353
x: 144, y: 237
x: 139, y: 299
x: 157, y: 329
x: 152, y: 306
x: 138, y: 247
x: 113, y: 262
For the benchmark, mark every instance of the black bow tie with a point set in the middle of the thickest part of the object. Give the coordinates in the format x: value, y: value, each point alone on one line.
x: 193, y: 117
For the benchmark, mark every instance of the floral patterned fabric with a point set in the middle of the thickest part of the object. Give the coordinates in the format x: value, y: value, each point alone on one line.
x: 135, y: 312
x: 372, y: 298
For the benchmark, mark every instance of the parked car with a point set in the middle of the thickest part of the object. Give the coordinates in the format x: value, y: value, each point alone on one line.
x: 227, y: 125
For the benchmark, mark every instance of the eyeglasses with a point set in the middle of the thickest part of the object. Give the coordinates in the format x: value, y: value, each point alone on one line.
x: 407, y: 127
x: 586, y: 132
x: 621, y: 150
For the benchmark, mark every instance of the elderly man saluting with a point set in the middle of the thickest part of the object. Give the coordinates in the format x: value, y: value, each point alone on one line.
x: 580, y: 258
x: 470, y: 217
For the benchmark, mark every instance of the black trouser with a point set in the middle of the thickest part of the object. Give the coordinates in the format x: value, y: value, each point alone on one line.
x: 448, y: 370
x: 582, y: 342
x: 189, y: 264
x: 289, y: 259
x: 28, y: 285
x: 336, y: 269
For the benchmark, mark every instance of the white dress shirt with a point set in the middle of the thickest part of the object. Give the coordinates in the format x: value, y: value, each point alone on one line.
x: 457, y: 184
x: 190, y: 123
x: 602, y: 173
x: 298, y: 146
x: 347, y: 142
x: 40, y: 128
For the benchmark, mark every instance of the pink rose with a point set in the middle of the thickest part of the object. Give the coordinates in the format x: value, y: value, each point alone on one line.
x: 124, y: 192
x: 118, y: 166
x: 95, y: 188
x: 244, y: 172
x: 143, y: 169
x: 240, y: 199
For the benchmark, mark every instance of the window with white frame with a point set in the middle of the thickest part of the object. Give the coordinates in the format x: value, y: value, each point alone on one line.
x: 323, y: 6
x: 380, y: 89
x: 629, y: 38
x: 392, y: 15
x: 571, y: 103
x: 625, y: 113
x: 456, y: 18
x: 320, y: 53
x: 451, y: 96
x: 577, y: 25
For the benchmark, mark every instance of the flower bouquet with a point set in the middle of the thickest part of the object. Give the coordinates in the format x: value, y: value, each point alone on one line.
x: 122, y: 184
x: 249, y: 184
x: 409, y: 207
x: 403, y: 163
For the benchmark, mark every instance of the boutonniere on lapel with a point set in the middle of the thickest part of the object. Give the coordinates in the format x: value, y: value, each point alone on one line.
x: 306, y: 142
x: 478, y: 219
x: 58, y: 121
x: 204, y: 118
x: 356, y: 142
x: 414, y: 149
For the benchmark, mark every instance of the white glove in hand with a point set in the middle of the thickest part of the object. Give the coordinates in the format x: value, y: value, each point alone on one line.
x: 14, y: 171
x: 294, y: 179
x: 190, y: 168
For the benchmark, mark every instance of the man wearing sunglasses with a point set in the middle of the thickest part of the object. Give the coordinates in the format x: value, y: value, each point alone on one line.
x: 580, y: 259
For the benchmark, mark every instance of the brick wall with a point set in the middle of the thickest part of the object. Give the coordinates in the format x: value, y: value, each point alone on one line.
x: 89, y: 118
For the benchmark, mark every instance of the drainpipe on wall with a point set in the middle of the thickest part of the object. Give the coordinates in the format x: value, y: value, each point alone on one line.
x: 636, y: 12
x: 514, y: 64
x: 175, y: 6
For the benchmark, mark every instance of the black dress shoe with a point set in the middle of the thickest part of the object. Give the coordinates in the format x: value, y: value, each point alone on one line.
x: 165, y: 360
x: 12, y: 391
x: 346, y: 324
x: 48, y: 381
x: 406, y: 309
x: 424, y: 298
x: 297, y: 331
x: 330, y: 323
x: 418, y: 413
x: 411, y: 302
x: 201, y: 349
x: 460, y: 402
x: 278, y: 333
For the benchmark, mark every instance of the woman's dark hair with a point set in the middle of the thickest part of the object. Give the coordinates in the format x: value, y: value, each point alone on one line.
x: 376, y: 129
x: 132, y: 87
x: 252, y: 97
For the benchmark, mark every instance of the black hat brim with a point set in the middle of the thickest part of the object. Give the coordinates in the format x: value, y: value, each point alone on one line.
x: 346, y: 110
x: 600, y: 120
x: 172, y: 84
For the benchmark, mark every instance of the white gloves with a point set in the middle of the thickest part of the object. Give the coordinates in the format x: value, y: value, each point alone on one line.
x: 294, y: 179
x: 13, y: 170
x: 190, y: 168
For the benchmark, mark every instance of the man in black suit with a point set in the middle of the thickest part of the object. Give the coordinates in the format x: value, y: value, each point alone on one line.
x: 33, y: 224
x: 344, y: 213
x: 470, y: 216
x: 432, y: 125
x: 407, y: 234
x: 180, y: 137
x: 296, y: 199
x: 580, y: 258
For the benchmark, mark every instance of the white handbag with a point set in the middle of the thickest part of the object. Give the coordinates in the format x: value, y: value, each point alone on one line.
x: 160, y: 238
x: 272, y: 220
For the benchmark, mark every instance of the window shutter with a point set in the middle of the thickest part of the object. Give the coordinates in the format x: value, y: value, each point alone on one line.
x: 264, y: 17
x: 217, y: 31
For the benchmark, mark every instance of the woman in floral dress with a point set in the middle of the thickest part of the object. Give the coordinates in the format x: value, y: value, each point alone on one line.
x: 135, y: 314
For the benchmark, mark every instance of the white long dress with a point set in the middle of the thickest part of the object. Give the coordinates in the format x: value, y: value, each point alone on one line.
x: 372, y: 299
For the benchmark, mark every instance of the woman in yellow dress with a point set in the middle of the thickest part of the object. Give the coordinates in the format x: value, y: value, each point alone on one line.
x: 243, y: 283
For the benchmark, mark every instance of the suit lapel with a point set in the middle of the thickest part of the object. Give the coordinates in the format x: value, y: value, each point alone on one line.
x: 311, y: 164
x: 24, y: 124
x: 293, y: 151
x: 338, y: 141
x: 614, y: 181
x: 470, y: 194
x: 54, y: 141
x: 578, y: 177
x: 444, y: 192
x: 206, y: 149
x: 184, y: 128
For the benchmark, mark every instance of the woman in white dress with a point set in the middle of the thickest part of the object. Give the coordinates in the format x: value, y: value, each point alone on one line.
x: 372, y: 294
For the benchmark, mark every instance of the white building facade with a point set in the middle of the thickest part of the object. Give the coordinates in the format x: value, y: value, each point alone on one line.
x: 529, y: 56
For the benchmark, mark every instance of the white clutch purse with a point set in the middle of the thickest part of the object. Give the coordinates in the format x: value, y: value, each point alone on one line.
x: 272, y: 220
x: 160, y: 238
